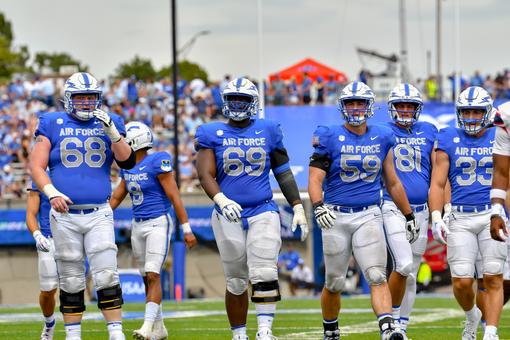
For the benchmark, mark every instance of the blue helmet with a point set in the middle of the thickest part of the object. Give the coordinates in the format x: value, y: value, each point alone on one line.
x: 240, y: 99
x: 81, y: 83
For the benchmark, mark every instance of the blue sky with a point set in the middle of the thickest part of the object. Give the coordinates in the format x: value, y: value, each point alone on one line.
x: 104, y: 33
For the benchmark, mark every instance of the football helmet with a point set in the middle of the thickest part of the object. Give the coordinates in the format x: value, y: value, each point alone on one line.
x: 405, y: 93
x: 240, y: 99
x: 356, y: 91
x: 81, y: 83
x: 474, y: 97
x: 139, y: 136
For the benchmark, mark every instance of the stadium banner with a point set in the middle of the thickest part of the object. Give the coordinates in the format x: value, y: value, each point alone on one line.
x: 13, y: 230
x: 299, y: 122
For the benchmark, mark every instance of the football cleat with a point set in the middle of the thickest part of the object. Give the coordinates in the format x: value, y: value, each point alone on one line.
x: 471, y: 326
x: 143, y: 334
x: 240, y: 337
x: 159, y: 331
x: 491, y: 337
x: 332, y: 335
x: 265, y: 334
x: 392, y: 334
x: 47, y: 332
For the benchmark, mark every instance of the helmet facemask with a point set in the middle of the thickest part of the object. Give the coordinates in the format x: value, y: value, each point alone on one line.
x: 82, y: 109
x: 356, y: 116
x: 405, y: 117
x: 471, y: 124
x: 239, y: 106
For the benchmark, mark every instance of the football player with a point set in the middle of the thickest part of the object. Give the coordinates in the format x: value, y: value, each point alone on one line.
x: 233, y: 163
x: 79, y: 147
x: 350, y: 159
x: 413, y: 161
x: 38, y: 223
x: 464, y: 157
x: 151, y: 184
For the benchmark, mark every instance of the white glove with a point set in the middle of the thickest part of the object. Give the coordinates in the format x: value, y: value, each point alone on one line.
x: 231, y: 210
x: 497, y: 209
x: 439, y: 227
x: 447, y: 213
x: 324, y: 216
x: 412, y: 228
x: 108, y: 126
x: 300, y: 219
x: 41, y: 242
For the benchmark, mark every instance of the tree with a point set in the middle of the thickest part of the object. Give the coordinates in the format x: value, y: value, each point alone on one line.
x: 6, y: 30
x: 187, y: 70
x: 56, y: 60
x: 7, y: 59
x: 141, y: 68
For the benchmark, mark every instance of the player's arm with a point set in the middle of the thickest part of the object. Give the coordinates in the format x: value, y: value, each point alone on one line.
x: 438, y: 183
x: 500, y: 177
x: 287, y: 182
x: 319, y: 166
x: 33, y: 204
x: 206, y: 168
x: 38, y: 163
x: 118, y: 195
x: 167, y: 181
x: 395, y: 187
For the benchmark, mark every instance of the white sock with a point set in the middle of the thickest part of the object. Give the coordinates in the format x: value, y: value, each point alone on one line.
x: 403, y: 323
x: 151, y: 311
x: 491, y: 330
x: 49, y: 321
x: 265, y: 314
x: 238, y: 330
x: 159, y: 316
x: 73, y: 330
x: 471, y: 314
x: 114, y: 327
x: 396, y: 313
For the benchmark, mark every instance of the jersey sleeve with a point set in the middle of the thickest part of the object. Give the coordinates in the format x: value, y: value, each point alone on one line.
x: 279, y: 157
x: 320, y: 140
x: 43, y: 127
x: 162, y: 163
x: 201, y: 139
x: 277, y: 136
x: 443, y: 140
x: 390, y: 140
x: 119, y: 124
x: 502, y: 142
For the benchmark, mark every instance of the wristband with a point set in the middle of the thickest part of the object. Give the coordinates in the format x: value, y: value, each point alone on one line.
x: 50, y: 191
x: 436, y: 216
x: 498, y: 193
x: 497, y: 210
x: 409, y: 217
x: 186, y: 228
x: 36, y: 233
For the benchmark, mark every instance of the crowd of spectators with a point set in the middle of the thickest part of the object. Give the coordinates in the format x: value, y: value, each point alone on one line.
x: 23, y: 100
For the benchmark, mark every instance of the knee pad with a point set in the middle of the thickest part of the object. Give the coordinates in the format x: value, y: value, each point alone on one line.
x: 105, y: 278
x: 110, y: 298
x: 237, y: 286
x: 263, y: 274
x: 462, y: 269
x: 493, y: 267
x: 263, y: 292
x: 72, y: 284
x: 375, y: 276
x: 404, y: 269
x: 72, y: 303
x: 335, y: 284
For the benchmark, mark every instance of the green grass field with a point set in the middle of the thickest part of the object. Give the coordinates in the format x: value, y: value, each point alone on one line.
x: 435, y: 318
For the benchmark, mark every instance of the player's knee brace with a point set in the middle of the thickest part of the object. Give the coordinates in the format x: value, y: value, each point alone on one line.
x: 493, y: 267
x: 265, y: 292
x: 106, y: 278
x: 335, y: 284
x: 110, y: 298
x: 462, y: 269
x: 375, y: 275
x: 236, y: 285
x: 72, y: 284
x: 72, y: 303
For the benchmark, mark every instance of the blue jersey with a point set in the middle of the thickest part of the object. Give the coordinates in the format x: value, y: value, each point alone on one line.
x: 147, y: 195
x: 44, y: 212
x: 354, y: 176
x: 470, y: 172
x: 80, y: 157
x: 411, y: 156
x: 243, y: 161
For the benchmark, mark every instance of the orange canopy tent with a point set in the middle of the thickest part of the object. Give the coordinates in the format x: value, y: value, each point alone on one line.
x: 313, y: 68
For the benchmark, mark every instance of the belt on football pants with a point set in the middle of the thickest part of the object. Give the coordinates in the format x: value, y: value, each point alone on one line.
x: 350, y: 210
x: 471, y: 208
x: 83, y: 211
x: 419, y: 207
x: 143, y: 219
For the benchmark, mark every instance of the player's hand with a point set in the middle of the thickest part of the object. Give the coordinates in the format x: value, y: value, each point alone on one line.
x: 299, y: 219
x: 440, y: 230
x: 109, y: 127
x: 324, y: 216
x: 412, y: 228
x: 190, y: 240
x: 447, y: 213
x: 59, y: 202
x: 41, y: 242
x: 499, y: 231
x: 231, y: 210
